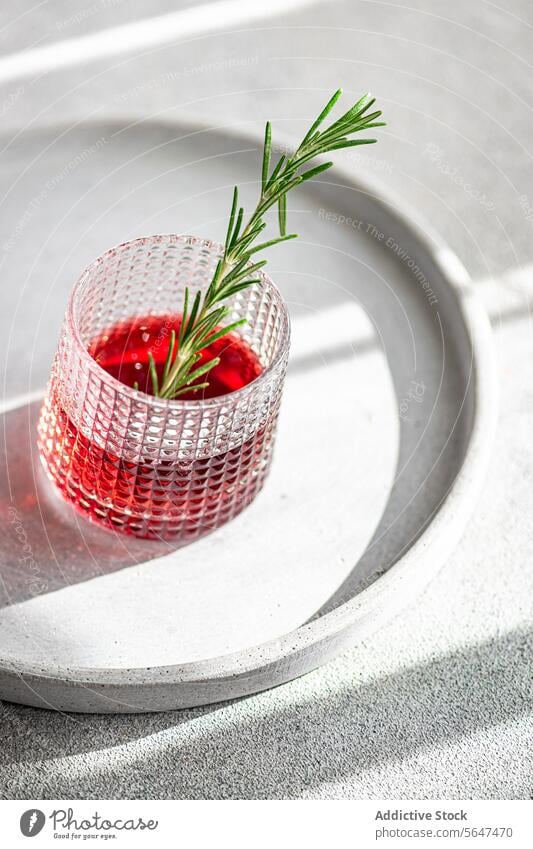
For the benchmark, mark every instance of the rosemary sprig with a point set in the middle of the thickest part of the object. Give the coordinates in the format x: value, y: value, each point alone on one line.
x: 201, y: 321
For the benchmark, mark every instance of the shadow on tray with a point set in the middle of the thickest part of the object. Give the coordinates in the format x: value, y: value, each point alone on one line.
x: 47, y: 545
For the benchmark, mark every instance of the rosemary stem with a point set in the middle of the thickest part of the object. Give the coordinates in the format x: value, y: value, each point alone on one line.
x: 204, y: 319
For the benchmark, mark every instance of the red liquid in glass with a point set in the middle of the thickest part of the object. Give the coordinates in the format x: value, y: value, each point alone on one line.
x: 123, y: 352
x: 166, y: 498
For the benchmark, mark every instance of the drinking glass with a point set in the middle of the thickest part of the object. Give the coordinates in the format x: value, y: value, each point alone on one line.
x: 169, y: 469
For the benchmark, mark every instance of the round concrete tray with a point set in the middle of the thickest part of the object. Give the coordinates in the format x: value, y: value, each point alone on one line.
x: 384, y: 435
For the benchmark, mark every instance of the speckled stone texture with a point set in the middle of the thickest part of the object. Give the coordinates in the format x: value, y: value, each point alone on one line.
x: 438, y: 704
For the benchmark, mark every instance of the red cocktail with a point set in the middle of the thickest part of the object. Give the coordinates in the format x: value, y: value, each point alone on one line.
x: 145, y: 465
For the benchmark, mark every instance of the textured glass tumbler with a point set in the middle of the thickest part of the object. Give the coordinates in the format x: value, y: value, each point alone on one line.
x: 144, y: 465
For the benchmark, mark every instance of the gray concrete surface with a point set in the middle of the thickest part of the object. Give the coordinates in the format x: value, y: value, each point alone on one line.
x: 438, y: 705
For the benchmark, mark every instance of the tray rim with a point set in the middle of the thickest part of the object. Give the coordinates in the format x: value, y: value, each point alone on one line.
x: 298, y: 651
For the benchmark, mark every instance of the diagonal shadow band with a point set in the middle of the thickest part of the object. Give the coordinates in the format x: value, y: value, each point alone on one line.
x: 282, y: 754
